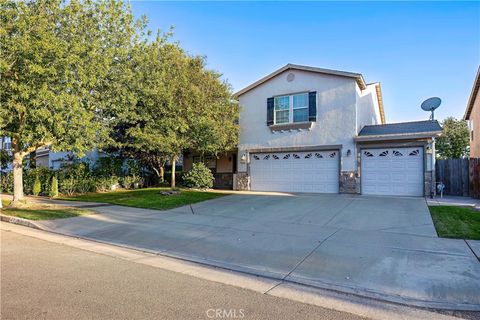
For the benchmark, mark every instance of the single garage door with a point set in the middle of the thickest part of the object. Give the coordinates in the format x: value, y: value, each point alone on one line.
x: 313, y: 171
x: 392, y: 171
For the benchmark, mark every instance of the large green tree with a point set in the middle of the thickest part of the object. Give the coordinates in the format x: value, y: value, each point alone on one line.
x: 179, y: 105
x: 59, y: 65
x: 454, y: 141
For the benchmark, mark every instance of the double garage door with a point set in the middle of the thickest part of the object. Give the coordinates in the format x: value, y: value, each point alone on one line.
x: 388, y: 171
x: 312, y: 171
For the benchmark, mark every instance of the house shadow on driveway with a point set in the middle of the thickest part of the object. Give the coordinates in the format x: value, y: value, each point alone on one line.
x: 379, y: 247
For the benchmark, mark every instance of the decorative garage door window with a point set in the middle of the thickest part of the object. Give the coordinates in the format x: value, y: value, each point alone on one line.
x: 292, y: 156
x: 392, y: 171
x: 311, y: 171
x: 415, y: 152
x: 391, y: 153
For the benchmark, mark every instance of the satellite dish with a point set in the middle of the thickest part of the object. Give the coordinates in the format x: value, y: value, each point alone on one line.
x: 431, y: 104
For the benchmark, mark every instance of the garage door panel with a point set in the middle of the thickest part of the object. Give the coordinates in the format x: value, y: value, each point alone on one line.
x: 392, y: 171
x: 315, y: 171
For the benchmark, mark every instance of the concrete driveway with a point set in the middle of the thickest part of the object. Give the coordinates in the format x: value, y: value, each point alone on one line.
x: 379, y: 247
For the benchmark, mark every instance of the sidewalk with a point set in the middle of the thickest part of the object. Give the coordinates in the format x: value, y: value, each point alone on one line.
x: 454, y: 201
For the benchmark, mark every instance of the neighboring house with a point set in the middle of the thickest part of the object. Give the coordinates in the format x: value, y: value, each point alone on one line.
x: 305, y: 129
x: 472, y: 115
x: 6, y: 145
x: 55, y: 160
x: 49, y: 159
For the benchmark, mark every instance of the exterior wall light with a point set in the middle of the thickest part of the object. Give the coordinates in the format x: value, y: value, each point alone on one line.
x: 349, y: 153
x: 243, y: 158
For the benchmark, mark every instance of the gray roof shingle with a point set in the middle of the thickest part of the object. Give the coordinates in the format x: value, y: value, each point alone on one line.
x: 401, y: 128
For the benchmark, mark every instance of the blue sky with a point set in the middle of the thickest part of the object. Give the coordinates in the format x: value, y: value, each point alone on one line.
x: 415, y: 49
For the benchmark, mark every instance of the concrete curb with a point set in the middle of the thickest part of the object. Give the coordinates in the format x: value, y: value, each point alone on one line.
x: 19, y: 221
x: 345, y: 302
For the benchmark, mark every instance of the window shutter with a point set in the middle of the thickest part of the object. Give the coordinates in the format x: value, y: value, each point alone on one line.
x: 312, y: 106
x: 270, y: 107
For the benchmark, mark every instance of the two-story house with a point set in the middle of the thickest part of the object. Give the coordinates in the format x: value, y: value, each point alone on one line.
x: 305, y: 129
x: 472, y: 115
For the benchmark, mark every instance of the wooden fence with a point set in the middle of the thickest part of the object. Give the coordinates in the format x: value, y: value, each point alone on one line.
x: 454, y: 174
x: 474, y: 174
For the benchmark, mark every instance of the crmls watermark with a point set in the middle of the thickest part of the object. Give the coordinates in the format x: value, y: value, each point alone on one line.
x: 225, y: 313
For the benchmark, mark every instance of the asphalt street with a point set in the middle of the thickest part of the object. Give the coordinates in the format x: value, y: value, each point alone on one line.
x: 45, y: 280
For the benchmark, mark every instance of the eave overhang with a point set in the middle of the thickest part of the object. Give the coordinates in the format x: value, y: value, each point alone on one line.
x: 400, y: 136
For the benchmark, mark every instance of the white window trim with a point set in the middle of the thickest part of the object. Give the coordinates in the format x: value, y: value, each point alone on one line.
x: 290, y: 107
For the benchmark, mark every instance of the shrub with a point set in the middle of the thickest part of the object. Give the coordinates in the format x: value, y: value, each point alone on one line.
x: 108, y: 166
x: 37, y: 187
x: 76, y: 178
x: 54, y: 187
x: 6, y: 183
x: 199, y: 177
x: 68, y: 186
x: 106, y: 183
x: 132, y: 167
x: 44, y: 175
x: 131, y: 182
x: 86, y: 184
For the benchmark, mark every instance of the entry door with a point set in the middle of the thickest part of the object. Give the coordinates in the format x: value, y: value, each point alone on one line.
x: 392, y: 171
x: 313, y: 171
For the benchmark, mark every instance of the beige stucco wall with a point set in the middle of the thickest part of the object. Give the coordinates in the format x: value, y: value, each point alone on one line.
x: 368, y: 110
x: 475, y: 126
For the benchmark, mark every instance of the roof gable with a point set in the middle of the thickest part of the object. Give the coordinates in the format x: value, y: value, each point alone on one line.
x: 357, y: 76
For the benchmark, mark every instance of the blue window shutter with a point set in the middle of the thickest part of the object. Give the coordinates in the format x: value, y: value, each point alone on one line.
x: 312, y: 106
x: 270, y: 107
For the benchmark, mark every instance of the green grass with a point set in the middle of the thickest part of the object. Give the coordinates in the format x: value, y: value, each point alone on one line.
x: 44, y: 212
x: 147, y: 198
x: 456, y: 222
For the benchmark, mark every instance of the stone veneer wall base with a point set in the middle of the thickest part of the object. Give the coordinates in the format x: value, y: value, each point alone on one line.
x: 241, y: 181
x: 349, y: 182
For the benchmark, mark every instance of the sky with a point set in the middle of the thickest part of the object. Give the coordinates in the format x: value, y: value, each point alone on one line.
x: 416, y: 50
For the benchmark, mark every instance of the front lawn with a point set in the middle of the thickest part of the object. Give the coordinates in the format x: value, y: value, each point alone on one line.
x: 147, y: 198
x: 456, y: 222
x: 44, y: 212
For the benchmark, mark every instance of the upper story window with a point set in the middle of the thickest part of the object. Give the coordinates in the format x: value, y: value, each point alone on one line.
x: 291, y: 108
x: 282, y: 109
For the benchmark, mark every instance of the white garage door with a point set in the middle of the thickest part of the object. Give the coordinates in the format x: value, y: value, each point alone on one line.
x: 313, y: 171
x: 392, y: 171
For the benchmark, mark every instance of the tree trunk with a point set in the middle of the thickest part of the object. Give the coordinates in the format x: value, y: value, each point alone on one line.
x: 162, y: 174
x: 17, y: 178
x: 173, y: 173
